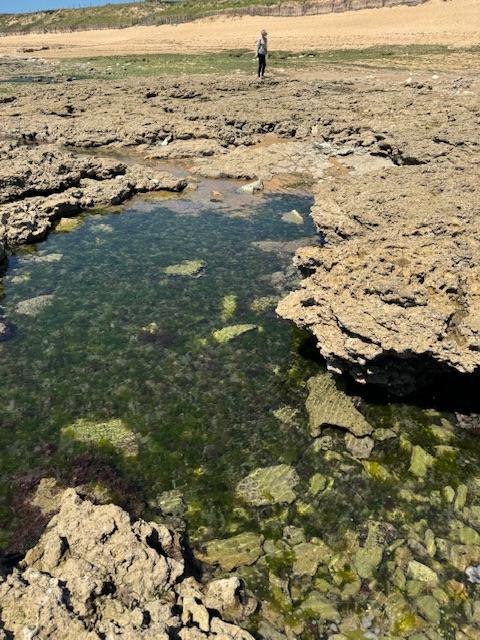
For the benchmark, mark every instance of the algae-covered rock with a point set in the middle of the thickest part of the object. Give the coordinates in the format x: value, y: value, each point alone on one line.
x: 264, y: 303
x: 114, y: 433
x: 360, y: 448
x: 420, y: 462
x: 317, y: 483
x: 233, y: 331
x: 320, y: 607
x: 65, y: 225
x: 170, y: 503
x: 429, y: 608
x: 293, y: 217
x: 243, y: 549
x: 191, y: 268
x: 367, y: 561
x: 269, y: 485
x: 328, y: 406
x: 34, y: 306
x: 308, y: 555
x: 229, y: 306
x: 421, y: 572
x: 287, y: 415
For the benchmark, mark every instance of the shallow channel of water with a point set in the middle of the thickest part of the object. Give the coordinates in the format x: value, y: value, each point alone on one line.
x: 123, y: 339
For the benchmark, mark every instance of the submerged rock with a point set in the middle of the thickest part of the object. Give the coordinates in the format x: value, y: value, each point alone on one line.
x: 367, y: 561
x: 96, y: 574
x: 328, y: 406
x: 360, y: 448
x: 191, y: 268
x: 269, y: 485
x: 229, y: 306
x: 420, y: 462
x: 65, y: 225
x: 317, y: 605
x: 421, y: 572
x: 308, y: 556
x: 114, y: 433
x: 6, y: 329
x: 293, y: 217
x: 233, y: 331
x: 252, y: 187
x: 34, y: 306
x: 243, y: 549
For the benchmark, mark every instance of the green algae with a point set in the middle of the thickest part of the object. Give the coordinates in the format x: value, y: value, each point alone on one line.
x: 114, y: 433
x: 229, y: 306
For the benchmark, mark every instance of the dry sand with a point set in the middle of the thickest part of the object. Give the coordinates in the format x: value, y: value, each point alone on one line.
x: 450, y: 22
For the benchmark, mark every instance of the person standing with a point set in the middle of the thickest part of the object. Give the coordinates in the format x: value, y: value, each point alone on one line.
x: 261, y: 53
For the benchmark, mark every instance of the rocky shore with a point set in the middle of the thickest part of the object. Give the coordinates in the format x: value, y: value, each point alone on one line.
x: 394, y: 165
x: 95, y: 574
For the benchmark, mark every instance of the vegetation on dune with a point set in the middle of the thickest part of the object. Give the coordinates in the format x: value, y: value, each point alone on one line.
x: 155, y: 12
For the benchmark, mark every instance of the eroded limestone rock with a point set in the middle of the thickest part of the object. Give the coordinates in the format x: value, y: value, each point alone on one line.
x: 96, y: 574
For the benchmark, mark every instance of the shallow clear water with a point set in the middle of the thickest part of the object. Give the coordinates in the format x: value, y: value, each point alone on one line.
x: 203, y: 412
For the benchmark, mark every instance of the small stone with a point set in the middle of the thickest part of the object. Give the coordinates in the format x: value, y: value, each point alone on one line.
x: 473, y: 574
x: 293, y: 217
x: 269, y: 485
x: 252, y: 187
x: 367, y: 561
x: 429, y: 608
x: 421, y: 572
x: 216, y: 196
x: 170, y: 503
x: 430, y: 543
x: 308, y: 555
x: 33, y: 306
x: 243, y: 549
x: 420, y: 462
x: 233, y: 331
x: 377, y: 471
x: 322, y: 609
x: 189, y: 268
x: 448, y: 493
x: 293, y: 535
x: 318, y: 482
x: 360, y: 448
x: 379, y: 435
x: 461, y: 497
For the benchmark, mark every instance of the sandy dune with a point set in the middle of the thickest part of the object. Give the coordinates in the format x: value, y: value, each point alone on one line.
x: 451, y: 22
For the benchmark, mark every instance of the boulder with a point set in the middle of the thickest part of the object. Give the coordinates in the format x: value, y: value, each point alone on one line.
x: 95, y: 574
x: 392, y: 297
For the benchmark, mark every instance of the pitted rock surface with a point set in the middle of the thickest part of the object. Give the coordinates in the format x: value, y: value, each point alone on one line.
x: 96, y: 574
x: 394, y: 293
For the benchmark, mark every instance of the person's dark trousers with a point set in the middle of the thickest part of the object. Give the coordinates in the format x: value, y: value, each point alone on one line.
x: 262, y: 63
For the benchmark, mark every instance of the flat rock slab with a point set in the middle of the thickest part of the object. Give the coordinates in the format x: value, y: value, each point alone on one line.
x: 34, y: 306
x: 114, y: 433
x: 269, y: 485
x: 328, y: 406
x: 238, y: 551
x: 192, y: 268
x: 233, y: 331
